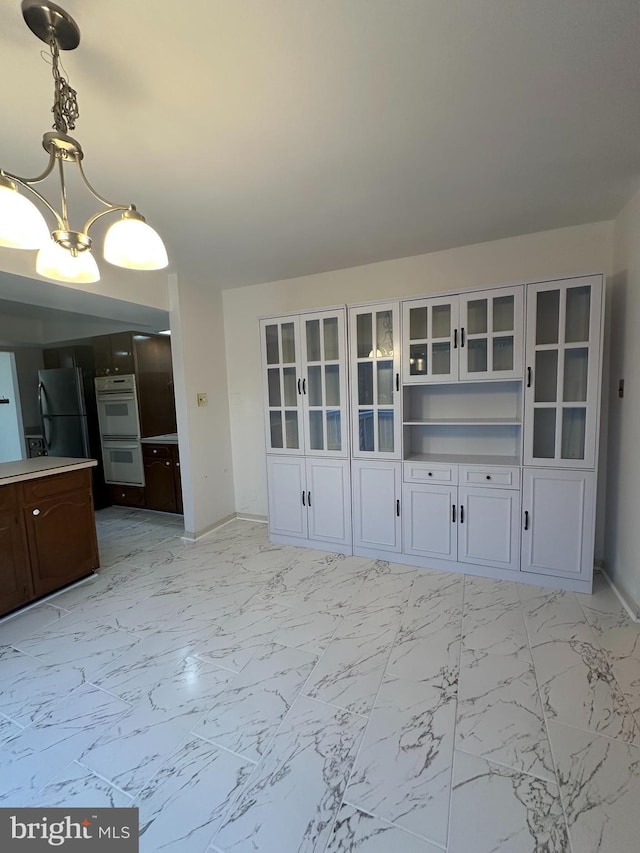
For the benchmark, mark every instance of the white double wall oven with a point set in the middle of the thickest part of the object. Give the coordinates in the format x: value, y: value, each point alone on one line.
x: 457, y: 431
x: 117, y: 404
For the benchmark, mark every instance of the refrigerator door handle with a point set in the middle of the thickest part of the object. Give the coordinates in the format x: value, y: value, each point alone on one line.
x: 47, y: 443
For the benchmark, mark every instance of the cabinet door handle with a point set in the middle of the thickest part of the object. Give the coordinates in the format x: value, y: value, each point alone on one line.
x: 398, y: 508
x: 397, y: 381
x: 308, y: 498
x: 526, y: 520
x: 455, y: 339
x: 462, y: 337
x: 528, y: 377
x: 461, y: 514
x: 303, y: 499
x: 167, y: 464
x: 453, y: 513
x: 488, y: 476
x: 299, y: 391
x: 36, y: 512
x: 304, y: 386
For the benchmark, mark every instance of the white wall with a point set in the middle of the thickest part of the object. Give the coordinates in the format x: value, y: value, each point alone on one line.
x: 197, y: 344
x: 11, y: 432
x: 562, y: 252
x: 622, y: 540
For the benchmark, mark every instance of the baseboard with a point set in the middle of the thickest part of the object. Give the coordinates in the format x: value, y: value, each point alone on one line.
x: 190, y: 536
x: 627, y: 602
x: 248, y: 516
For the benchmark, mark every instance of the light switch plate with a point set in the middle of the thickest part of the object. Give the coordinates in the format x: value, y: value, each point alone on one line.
x: 202, y: 399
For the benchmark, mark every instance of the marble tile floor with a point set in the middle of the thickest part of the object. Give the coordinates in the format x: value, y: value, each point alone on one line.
x: 253, y: 697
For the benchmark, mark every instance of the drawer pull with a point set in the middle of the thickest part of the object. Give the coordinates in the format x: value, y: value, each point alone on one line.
x: 488, y: 476
x: 36, y: 512
x: 429, y: 474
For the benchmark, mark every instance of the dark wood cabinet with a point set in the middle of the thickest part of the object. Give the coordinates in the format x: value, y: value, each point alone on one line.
x: 114, y: 354
x: 163, y: 488
x: 127, y: 495
x: 16, y: 586
x: 47, y: 536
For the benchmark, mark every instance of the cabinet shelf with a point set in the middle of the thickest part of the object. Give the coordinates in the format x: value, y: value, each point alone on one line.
x: 463, y: 459
x: 465, y: 422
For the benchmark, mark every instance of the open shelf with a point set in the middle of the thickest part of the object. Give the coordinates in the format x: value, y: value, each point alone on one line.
x: 465, y: 422
x: 463, y: 459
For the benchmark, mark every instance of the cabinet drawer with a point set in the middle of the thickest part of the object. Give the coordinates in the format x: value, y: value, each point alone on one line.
x: 422, y: 472
x: 157, y: 451
x: 499, y: 476
x: 127, y: 495
x: 56, y: 484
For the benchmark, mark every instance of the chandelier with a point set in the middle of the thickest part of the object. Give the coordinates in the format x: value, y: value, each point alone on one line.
x: 65, y: 254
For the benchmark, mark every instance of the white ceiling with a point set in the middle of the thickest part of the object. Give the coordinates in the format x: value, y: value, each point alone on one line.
x: 273, y: 138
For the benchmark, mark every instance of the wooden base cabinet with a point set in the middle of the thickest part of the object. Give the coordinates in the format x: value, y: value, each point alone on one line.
x: 377, y: 489
x: 47, y: 536
x: 163, y: 487
x: 558, y: 508
x: 310, y: 499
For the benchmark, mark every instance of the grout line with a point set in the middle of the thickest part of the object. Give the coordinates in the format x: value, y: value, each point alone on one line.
x: 455, y: 719
x: 391, y: 824
x: 517, y: 770
x: 226, y: 748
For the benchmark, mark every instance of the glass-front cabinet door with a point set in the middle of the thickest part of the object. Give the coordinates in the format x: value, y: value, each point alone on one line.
x: 324, y: 383
x: 283, y: 385
x: 563, y: 363
x: 430, y: 340
x: 491, y: 334
x: 375, y: 380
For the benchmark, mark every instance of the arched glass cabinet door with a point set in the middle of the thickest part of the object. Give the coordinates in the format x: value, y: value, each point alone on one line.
x: 562, y: 373
x: 375, y: 380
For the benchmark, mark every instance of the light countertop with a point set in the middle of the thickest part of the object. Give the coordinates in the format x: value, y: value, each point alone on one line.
x: 168, y: 438
x: 41, y: 466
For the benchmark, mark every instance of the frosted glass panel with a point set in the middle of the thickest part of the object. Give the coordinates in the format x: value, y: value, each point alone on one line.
x: 576, y: 363
x: 441, y: 359
x: 365, y: 383
x: 441, y: 321
x: 364, y: 334
x: 547, y: 316
x: 273, y: 380
x: 365, y: 430
x: 385, y: 383
x: 275, y: 423
x: 313, y: 340
x: 544, y: 433
x: 418, y: 359
x: 332, y: 383
x: 316, y: 437
x: 288, y: 343
x: 418, y: 324
x: 334, y: 431
x: 384, y: 334
x: 291, y: 429
x: 578, y: 314
x: 314, y: 389
x: 331, y: 351
x: 546, y: 376
x: 290, y: 386
x: 385, y: 431
x: 503, y: 353
x: 271, y: 337
x: 573, y: 427
x: 503, y: 319
x: 477, y: 317
x: 477, y: 355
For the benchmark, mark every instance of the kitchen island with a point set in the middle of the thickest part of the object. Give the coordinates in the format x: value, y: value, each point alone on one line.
x: 47, y: 527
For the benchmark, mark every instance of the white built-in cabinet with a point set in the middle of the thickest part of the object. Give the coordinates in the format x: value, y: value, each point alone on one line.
x: 474, y: 423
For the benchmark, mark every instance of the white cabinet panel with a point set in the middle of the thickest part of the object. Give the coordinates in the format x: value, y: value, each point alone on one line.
x: 281, y: 359
x: 376, y: 505
x: 329, y: 500
x: 491, y: 334
x: 430, y: 339
x: 430, y: 526
x: 558, y: 518
x: 488, y: 527
x: 287, y: 498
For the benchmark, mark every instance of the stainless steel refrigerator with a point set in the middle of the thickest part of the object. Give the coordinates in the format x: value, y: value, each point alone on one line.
x: 63, y: 412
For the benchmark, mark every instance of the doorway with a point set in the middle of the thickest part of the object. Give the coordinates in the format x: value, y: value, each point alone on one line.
x: 12, y: 446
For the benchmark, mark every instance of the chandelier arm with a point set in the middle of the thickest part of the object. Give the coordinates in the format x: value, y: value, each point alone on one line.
x: 112, y: 208
x: 37, y: 180
x: 99, y: 197
x: 25, y: 185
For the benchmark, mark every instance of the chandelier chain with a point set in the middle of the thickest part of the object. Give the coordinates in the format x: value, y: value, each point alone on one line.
x: 65, y: 105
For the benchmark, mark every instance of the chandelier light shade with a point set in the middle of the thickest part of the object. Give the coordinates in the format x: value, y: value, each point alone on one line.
x: 65, y: 254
